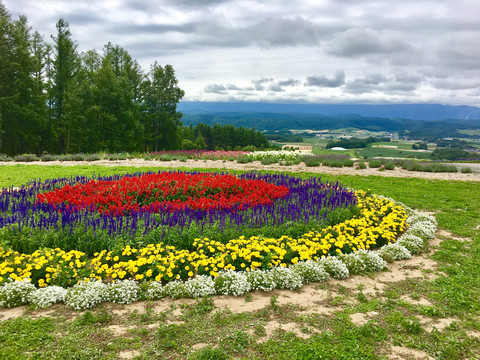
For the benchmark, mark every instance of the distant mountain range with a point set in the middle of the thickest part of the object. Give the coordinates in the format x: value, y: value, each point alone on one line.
x: 392, y: 111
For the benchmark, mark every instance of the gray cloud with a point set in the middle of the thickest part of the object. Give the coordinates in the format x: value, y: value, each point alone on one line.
x: 375, y: 82
x: 215, y: 89
x: 284, y: 32
x: 289, y: 82
x: 323, y: 81
x: 421, y: 50
x: 362, y: 41
x: 259, y: 84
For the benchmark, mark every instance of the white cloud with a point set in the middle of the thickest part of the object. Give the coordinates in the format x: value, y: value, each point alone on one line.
x: 281, y: 50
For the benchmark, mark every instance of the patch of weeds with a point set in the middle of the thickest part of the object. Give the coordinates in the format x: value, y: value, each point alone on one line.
x: 202, y: 307
x: 166, y: 336
x: 24, y: 334
x: 248, y: 297
x: 237, y: 341
x: 259, y: 330
x: 104, y: 317
x: 274, y: 302
x: 209, y: 353
x: 361, y: 297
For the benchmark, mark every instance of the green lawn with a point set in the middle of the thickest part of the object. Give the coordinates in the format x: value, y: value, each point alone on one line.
x: 171, y: 333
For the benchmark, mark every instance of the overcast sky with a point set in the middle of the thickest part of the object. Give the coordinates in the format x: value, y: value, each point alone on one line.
x: 322, y: 51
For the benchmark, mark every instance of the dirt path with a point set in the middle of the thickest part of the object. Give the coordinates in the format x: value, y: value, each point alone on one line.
x: 257, y: 165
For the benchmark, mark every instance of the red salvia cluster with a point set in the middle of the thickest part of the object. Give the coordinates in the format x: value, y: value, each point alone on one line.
x: 166, y: 192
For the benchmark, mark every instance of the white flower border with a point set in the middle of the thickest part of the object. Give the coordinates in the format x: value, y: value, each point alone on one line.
x: 85, y: 295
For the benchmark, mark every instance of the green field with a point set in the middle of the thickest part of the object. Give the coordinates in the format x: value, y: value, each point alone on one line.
x: 169, y: 330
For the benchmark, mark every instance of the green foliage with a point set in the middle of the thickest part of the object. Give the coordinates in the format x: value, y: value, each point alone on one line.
x: 354, y: 143
x: 374, y: 164
x: 450, y: 153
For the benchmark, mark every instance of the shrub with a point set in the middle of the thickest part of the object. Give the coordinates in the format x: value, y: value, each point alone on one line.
x: 72, y: 157
x: 390, y: 165
x: 268, y: 161
x: 361, y: 165
x: 374, y: 164
x: 336, y: 163
x: 4, y: 157
x: 26, y: 158
x: 245, y: 159
x: 115, y: 157
x: 312, y: 162
x: 348, y: 163
x: 92, y: 157
x: 48, y: 157
x: 466, y: 170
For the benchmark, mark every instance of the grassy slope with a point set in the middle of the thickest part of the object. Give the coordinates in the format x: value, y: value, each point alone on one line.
x: 454, y: 295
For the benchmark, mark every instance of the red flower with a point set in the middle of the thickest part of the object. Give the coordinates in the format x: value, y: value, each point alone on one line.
x: 166, y: 191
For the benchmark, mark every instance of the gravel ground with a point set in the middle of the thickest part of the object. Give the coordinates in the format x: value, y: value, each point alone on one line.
x: 257, y: 165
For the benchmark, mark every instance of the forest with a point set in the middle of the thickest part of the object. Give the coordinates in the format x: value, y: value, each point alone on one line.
x: 54, y: 99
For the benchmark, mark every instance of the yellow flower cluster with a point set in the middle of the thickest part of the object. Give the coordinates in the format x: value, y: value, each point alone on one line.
x: 44, y: 267
x: 379, y: 222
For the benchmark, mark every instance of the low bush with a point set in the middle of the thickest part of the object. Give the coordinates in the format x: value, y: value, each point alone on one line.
x: 374, y: 164
x: 268, y: 161
x: 390, y: 165
x: 93, y: 157
x: 244, y: 159
x: 466, y: 170
x: 48, y: 157
x: 348, y: 163
x: 72, y: 157
x: 26, y: 158
x: 4, y: 157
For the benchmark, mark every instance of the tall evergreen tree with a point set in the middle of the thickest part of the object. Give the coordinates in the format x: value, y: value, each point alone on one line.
x: 21, y: 104
x: 65, y: 66
x: 161, y: 120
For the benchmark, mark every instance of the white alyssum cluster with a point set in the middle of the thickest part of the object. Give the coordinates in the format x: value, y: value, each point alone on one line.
x: 261, y: 280
x: 175, y: 289
x: 422, y: 225
x: 15, y: 293
x: 412, y: 242
x: 200, y: 286
x: 232, y: 283
x: 335, y: 267
x: 396, y: 251
x: 310, y: 271
x: 286, y: 278
x: 45, y: 297
x: 284, y: 155
x: 85, y: 295
x: 123, y: 291
x: 155, y: 291
x: 354, y: 264
x: 372, y: 260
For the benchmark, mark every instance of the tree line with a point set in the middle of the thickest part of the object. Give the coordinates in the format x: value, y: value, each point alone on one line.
x: 226, y: 137
x: 55, y: 99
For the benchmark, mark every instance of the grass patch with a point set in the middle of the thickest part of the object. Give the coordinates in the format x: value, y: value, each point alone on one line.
x: 229, y: 336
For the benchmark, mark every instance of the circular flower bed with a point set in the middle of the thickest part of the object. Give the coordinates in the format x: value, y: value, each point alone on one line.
x: 347, y: 225
x: 92, y: 215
